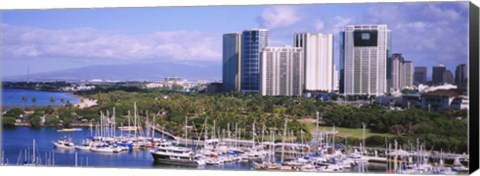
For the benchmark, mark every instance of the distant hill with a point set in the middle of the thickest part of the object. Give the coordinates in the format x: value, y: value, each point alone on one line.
x: 150, y: 71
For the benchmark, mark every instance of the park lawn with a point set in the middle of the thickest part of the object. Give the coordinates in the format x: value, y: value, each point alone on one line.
x: 353, y: 132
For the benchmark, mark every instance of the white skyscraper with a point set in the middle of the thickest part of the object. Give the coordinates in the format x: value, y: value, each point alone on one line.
x: 408, y: 74
x: 318, y: 56
x: 281, y: 71
x: 402, y: 72
x: 364, y: 59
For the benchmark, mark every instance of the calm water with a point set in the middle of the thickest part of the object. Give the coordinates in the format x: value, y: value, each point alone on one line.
x: 18, y: 139
x: 13, y: 97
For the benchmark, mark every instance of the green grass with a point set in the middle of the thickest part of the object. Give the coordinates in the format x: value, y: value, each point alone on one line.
x: 353, y: 132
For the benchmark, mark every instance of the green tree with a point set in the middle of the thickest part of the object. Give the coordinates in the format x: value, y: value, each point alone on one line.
x: 15, y: 112
x: 35, y: 121
x: 52, y: 100
x: 8, y: 121
x: 50, y: 120
x: 24, y: 99
x: 34, y: 101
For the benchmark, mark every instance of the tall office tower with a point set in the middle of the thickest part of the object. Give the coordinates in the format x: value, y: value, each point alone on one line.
x: 341, y: 72
x: 252, y: 43
x: 366, y: 49
x: 420, y: 75
x: 437, y: 74
x: 407, y: 74
x: 397, y: 71
x: 282, y: 71
x: 231, y: 62
x: 335, y: 79
x: 461, y: 75
x: 401, y: 72
x: 318, y: 56
x: 448, y: 77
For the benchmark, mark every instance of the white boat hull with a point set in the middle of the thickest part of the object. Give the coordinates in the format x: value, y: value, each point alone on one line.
x: 63, y: 147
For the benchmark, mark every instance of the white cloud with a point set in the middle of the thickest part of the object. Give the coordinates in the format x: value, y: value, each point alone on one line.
x: 87, y: 43
x: 340, y: 23
x: 434, y: 32
x: 278, y: 16
x: 319, y: 25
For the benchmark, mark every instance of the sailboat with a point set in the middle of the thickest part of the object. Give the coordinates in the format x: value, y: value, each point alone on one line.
x: 29, y: 159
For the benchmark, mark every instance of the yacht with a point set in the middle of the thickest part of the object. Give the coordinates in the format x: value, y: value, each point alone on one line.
x: 85, y: 146
x: 169, y: 154
x: 103, y: 148
x: 64, y: 143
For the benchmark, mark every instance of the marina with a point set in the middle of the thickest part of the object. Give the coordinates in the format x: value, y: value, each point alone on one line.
x: 161, y: 152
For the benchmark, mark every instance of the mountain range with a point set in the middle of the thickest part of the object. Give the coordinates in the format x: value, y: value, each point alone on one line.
x: 129, y: 72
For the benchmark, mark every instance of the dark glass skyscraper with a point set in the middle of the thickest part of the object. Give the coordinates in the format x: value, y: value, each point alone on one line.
x: 437, y: 74
x: 231, y: 62
x: 253, y: 41
x: 461, y: 75
x: 420, y: 75
x: 341, y: 79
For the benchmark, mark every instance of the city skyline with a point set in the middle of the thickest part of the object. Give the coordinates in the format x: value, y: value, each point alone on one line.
x: 80, y: 38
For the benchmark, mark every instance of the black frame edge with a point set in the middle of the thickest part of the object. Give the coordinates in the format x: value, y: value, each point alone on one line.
x: 474, y: 87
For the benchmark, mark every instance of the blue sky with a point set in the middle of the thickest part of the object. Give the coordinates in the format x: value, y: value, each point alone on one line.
x: 50, y: 40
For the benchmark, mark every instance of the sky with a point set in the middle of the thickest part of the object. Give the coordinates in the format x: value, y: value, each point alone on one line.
x: 39, y: 41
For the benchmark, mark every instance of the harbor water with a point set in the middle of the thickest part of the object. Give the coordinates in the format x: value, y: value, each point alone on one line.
x: 17, y: 140
x: 13, y: 97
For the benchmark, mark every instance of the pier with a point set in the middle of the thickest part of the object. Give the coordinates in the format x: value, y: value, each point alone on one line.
x: 228, y: 141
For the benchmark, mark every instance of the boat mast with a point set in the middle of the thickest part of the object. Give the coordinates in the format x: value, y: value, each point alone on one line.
x: 205, y: 136
x: 228, y: 130
x: 186, y: 131
x: 153, y: 126
x: 253, y: 134
x: 108, y: 125
x: 317, y: 135
x: 283, y: 140
x: 33, y: 149
x: 101, y: 122
x: 135, y: 117
x: 114, y: 123
x: 147, y: 124
x: 263, y: 132
x: 363, y: 137
x: 213, y: 129
x: 333, y: 138
x: 129, y: 127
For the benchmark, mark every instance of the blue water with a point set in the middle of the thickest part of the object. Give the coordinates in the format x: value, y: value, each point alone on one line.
x: 16, y: 140
x: 13, y: 97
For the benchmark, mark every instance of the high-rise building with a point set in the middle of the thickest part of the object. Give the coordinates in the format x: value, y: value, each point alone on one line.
x: 282, y: 71
x: 420, y: 75
x: 397, y: 71
x: 461, y: 75
x: 437, y: 74
x: 401, y: 72
x: 365, y: 52
x: 252, y: 43
x: 448, y: 77
x: 341, y: 72
x: 407, y: 74
x: 335, y: 79
x: 231, y: 62
x: 318, y: 56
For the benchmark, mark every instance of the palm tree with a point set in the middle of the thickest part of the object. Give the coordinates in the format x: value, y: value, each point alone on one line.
x: 24, y: 99
x: 34, y: 100
x: 52, y: 100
